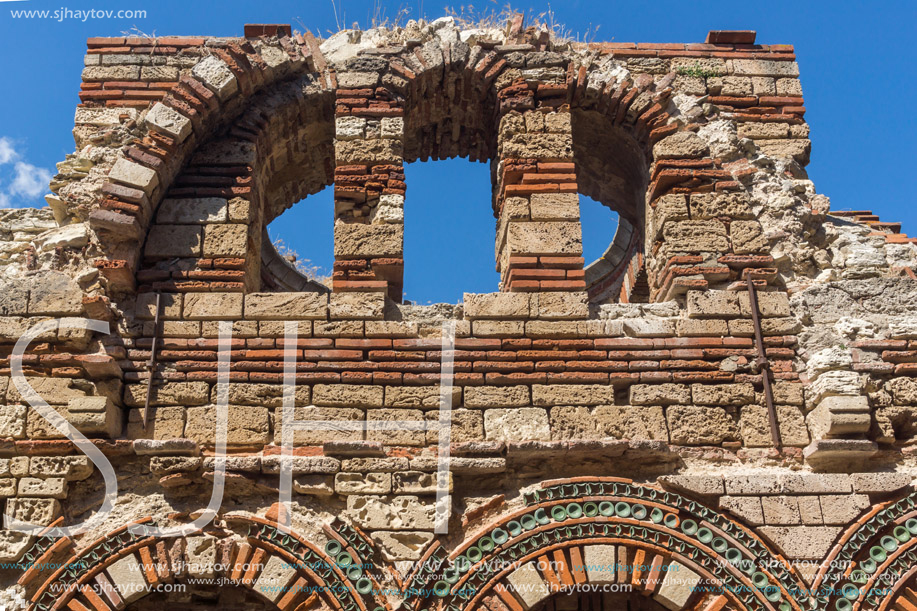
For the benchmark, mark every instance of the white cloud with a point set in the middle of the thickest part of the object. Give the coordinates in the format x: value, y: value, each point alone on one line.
x: 4, y: 201
x: 7, y: 152
x: 30, y: 180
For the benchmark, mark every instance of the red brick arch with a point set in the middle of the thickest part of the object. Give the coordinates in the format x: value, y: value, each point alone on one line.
x: 119, y: 568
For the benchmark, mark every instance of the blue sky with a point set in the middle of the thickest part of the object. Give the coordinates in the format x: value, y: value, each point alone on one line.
x: 856, y: 59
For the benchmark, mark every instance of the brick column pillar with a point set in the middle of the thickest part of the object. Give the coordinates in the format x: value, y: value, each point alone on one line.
x: 368, y: 187
x: 539, y: 240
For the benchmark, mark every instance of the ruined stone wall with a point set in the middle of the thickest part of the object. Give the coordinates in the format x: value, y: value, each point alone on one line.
x: 601, y: 412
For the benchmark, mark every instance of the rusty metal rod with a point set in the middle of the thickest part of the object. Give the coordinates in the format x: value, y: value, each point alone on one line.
x: 151, y: 364
x: 763, y: 364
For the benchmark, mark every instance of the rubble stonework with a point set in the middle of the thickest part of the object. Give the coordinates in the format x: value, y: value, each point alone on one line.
x: 616, y: 412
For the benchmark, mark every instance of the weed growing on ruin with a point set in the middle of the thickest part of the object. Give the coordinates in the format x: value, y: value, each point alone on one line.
x: 696, y: 70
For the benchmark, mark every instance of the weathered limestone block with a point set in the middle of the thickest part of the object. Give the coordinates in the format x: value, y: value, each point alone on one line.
x: 364, y: 150
x: 286, y: 306
x: 403, y: 545
x: 247, y: 426
x: 363, y: 483
x: 573, y: 422
x: 841, y: 510
x: 167, y: 241
x: 13, y: 544
x: 763, y: 131
x: 682, y: 145
x: 544, y: 238
x: 795, y: 148
x: 713, y: 304
x: 327, y: 415
x: 723, y: 394
x: 696, y: 425
x: 467, y: 425
x: 33, y: 511
x: 497, y: 396
x: 517, y: 424
x: 92, y: 416
x: 418, y: 482
x: 274, y: 578
x: 13, y: 421
x: 644, y: 423
x: 554, y: 206
x: 301, y: 464
x: 213, y: 306
x: 562, y: 305
x: 192, y: 211
x: 781, y: 510
x: 548, y: 395
x: 8, y: 486
x: 348, y: 395
x: 747, y: 237
x: 216, y: 76
x: 755, y: 426
x: 880, y: 483
x: 701, y: 327
x: 832, y: 383
x: 134, y: 175
x: 389, y: 210
x: 264, y: 395
x: 126, y: 575
x: 201, y: 556
x: 361, y: 240
x: 56, y: 391
x: 528, y: 585
x: 760, y: 67
x: 314, y: 484
x: 747, y: 508
x: 737, y: 86
x: 165, y: 120
x: 164, y: 423
x: 600, y: 561
x: 696, y: 236
x: 169, y: 306
x: 839, y: 415
x: 356, y: 306
x: 497, y: 305
x: 903, y: 390
x: 70, y: 468
x: 168, y: 393
x: 694, y: 485
x: 499, y: 328
x: 14, y: 300
x: 55, y: 294
x: 390, y: 512
x: 771, y: 304
x: 419, y: 396
x: 649, y: 327
x: 802, y: 542
x: 668, y: 208
x: 226, y: 240
x: 396, y: 435
x: 51, y: 487
x: 678, y: 585
x: 744, y: 327
x: 538, y: 146
x: 660, y: 394
x: 349, y: 128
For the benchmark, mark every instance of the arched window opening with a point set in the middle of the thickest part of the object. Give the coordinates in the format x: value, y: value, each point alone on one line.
x: 612, y: 172
x: 449, y: 231
x: 600, y: 223
x: 298, y: 250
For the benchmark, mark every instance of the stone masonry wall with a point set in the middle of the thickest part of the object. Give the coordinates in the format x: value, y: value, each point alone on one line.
x: 615, y: 409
